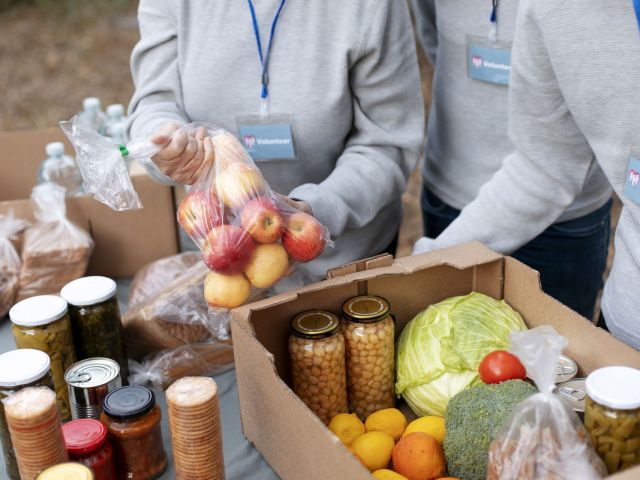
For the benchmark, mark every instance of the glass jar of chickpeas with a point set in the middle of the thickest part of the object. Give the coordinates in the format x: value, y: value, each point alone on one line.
x: 316, y: 348
x: 368, y: 330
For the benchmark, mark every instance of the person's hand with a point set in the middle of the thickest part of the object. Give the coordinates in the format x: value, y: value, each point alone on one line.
x: 297, y: 204
x: 185, y: 155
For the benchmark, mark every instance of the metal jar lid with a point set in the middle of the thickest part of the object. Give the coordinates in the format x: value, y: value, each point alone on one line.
x: 22, y: 367
x: 315, y: 324
x: 38, y: 311
x: 365, y: 309
x: 66, y: 471
x: 127, y: 403
x: 615, y: 387
x: 574, y: 392
x: 92, y: 372
x: 566, y: 369
x: 87, y: 291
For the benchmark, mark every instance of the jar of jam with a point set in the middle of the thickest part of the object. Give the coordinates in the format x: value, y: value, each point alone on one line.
x: 132, y: 419
x: 95, y: 320
x: 316, y: 349
x: 612, y: 416
x: 368, y: 330
x: 87, y: 443
x: 67, y: 471
x: 19, y: 369
x: 42, y: 323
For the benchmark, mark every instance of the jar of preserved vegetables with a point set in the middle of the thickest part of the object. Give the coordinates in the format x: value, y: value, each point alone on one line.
x: 19, y: 369
x: 87, y: 443
x: 316, y: 348
x: 368, y: 330
x: 612, y: 416
x: 95, y: 320
x: 67, y: 471
x: 42, y: 323
x: 132, y: 419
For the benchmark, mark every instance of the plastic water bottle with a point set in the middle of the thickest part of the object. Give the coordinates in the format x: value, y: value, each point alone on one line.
x: 93, y: 114
x: 116, y: 123
x: 61, y: 169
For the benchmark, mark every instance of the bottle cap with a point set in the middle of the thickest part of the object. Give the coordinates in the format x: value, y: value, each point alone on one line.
x: 115, y: 111
x: 125, y: 403
x: 91, y: 103
x: 84, y: 435
x: 615, y: 387
x: 54, y: 149
x: 88, y: 291
x: 22, y: 367
x: 36, y: 311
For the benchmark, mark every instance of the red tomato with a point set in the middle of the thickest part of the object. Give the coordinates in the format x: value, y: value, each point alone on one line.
x: 500, y: 366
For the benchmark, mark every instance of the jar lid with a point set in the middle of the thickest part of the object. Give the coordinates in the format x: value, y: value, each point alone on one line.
x: 615, y: 387
x: 84, y: 435
x: 23, y: 366
x: 315, y: 324
x: 36, y: 311
x: 66, y: 471
x: 88, y: 291
x: 125, y: 403
x: 92, y: 372
x: 365, y: 308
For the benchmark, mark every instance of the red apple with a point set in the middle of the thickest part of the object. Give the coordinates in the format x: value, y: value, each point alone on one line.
x: 303, y: 238
x: 199, y: 213
x: 261, y: 218
x: 227, y: 249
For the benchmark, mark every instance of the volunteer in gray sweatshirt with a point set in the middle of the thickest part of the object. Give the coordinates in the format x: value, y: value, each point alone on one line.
x: 469, y: 45
x: 574, y: 104
x: 340, y: 80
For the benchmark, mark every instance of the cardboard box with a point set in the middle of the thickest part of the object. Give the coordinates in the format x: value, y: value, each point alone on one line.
x: 295, y: 442
x: 125, y: 241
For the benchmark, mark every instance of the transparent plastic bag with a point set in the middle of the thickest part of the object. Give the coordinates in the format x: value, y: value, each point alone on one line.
x: 10, y: 261
x: 543, y: 438
x: 55, y: 250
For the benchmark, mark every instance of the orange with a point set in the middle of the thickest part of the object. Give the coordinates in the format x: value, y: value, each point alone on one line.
x: 419, y: 456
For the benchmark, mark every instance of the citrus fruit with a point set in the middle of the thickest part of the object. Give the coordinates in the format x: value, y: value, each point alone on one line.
x: 419, y: 456
x: 385, y: 474
x: 347, y: 427
x: 389, y: 420
x: 430, y: 425
x: 374, y: 449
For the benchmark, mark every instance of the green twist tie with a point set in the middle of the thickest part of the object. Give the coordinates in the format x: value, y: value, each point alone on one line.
x: 123, y: 150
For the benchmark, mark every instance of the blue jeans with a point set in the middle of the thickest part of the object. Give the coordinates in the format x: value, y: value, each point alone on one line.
x: 570, y: 256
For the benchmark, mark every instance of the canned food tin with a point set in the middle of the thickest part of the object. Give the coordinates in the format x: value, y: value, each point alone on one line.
x: 566, y: 369
x: 89, y: 382
x: 574, y: 392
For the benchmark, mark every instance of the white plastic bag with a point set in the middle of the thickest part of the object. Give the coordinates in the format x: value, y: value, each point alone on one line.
x: 9, y: 260
x: 543, y: 439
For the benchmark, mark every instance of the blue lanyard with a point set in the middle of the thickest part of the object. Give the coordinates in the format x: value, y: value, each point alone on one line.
x: 264, y: 59
x: 636, y: 6
x: 494, y: 11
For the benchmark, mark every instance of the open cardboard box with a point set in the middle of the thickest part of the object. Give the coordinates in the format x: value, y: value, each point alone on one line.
x: 124, y: 241
x: 295, y: 442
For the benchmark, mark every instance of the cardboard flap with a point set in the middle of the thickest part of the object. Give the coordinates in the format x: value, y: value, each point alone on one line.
x: 379, y: 261
x: 459, y: 256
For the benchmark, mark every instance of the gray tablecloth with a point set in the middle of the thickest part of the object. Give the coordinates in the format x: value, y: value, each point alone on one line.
x: 241, y: 460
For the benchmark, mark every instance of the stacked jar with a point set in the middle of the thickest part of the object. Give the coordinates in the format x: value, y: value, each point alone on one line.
x: 368, y: 330
x: 95, y: 320
x: 86, y: 442
x: 19, y: 369
x: 42, y: 323
x: 317, y: 351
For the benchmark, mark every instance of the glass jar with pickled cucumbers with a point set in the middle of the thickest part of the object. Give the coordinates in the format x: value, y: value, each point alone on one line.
x: 316, y: 349
x: 19, y: 369
x: 95, y: 320
x: 368, y: 330
x: 612, y: 416
x: 42, y: 323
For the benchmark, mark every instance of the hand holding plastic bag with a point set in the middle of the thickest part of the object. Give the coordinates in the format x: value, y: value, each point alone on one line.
x: 543, y: 438
x: 9, y: 260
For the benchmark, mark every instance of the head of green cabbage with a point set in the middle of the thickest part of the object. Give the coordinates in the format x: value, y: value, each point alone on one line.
x: 439, y: 351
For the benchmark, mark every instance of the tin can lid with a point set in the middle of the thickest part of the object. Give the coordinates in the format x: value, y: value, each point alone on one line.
x: 125, y: 403
x: 315, y: 324
x: 566, y: 369
x: 37, y: 311
x: 88, y: 291
x: 92, y: 372
x: 84, y: 435
x: 66, y: 471
x: 574, y: 392
x: 23, y: 366
x: 365, y: 308
x: 615, y: 387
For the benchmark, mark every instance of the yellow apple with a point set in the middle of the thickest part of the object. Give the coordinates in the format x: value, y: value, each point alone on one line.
x: 227, y: 291
x: 228, y: 150
x: 268, y: 263
x: 238, y: 184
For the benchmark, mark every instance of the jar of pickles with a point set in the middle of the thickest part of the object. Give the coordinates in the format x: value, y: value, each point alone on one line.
x: 368, y: 330
x: 19, y: 369
x: 132, y: 419
x: 42, y: 323
x: 317, y: 352
x: 95, y: 320
x: 612, y: 416
x: 87, y: 443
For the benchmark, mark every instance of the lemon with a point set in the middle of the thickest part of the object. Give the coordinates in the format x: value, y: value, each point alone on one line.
x: 347, y: 427
x: 431, y: 425
x: 385, y: 474
x: 389, y: 420
x: 374, y: 449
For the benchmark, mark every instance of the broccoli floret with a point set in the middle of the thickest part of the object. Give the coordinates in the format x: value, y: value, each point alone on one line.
x: 472, y: 420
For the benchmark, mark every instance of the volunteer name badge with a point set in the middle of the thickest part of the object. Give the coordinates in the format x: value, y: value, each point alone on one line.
x: 632, y: 181
x: 272, y: 141
x: 488, y: 61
